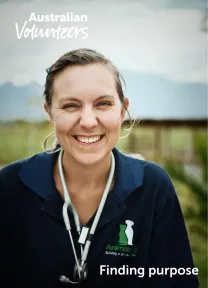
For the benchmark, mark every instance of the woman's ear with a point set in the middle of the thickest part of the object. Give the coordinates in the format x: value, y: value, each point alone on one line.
x: 125, y: 106
x: 48, y: 111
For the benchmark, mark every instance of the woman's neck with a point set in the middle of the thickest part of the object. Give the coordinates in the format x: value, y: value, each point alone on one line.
x: 82, y: 178
x: 85, y: 184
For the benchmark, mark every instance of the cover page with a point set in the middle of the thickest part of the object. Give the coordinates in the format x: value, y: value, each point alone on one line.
x: 67, y: 67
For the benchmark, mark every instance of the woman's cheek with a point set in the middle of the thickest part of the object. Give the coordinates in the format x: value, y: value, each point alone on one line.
x: 111, y: 121
x: 65, y: 121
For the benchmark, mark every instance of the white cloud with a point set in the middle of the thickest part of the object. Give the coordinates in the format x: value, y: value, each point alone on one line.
x: 135, y: 36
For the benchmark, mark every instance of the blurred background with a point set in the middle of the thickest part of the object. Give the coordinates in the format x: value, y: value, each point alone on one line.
x: 160, y: 48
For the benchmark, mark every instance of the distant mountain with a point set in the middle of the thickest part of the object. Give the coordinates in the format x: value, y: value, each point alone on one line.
x: 150, y: 96
x: 158, y: 98
x: 22, y: 102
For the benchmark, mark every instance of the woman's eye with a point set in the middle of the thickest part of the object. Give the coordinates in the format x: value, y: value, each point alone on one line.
x: 104, y: 104
x: 70, y: 106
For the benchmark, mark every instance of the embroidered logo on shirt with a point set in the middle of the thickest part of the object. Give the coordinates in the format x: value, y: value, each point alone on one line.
x: 126, y: 233
x: 125, y: 245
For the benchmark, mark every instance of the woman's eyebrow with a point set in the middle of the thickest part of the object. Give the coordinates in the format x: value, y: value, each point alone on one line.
x: 77, y: 100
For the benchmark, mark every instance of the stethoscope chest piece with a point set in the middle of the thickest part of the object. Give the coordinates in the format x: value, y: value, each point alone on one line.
x: 83, y: 273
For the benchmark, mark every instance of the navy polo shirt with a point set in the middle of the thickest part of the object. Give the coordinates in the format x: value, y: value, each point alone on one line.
x: 141, y: 227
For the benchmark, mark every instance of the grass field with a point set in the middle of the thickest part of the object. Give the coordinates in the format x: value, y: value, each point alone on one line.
x: 22, y: 139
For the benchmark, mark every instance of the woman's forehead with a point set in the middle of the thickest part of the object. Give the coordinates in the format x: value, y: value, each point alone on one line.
x: 88, y: 77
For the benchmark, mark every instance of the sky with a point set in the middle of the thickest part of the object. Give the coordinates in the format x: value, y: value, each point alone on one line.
x: 159, y: 37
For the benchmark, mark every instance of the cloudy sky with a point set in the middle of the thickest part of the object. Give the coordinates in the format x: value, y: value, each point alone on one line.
x: 161, y: 37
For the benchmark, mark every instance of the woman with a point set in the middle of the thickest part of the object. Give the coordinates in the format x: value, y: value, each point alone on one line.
x: 127, y: 220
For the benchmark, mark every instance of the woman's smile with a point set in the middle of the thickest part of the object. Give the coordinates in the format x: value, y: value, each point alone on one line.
x: 88, y: 141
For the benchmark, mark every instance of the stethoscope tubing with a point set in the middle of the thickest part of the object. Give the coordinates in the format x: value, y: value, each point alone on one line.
x: 69, y: 205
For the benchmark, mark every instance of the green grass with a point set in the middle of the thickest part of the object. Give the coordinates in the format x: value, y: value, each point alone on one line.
x: 21, y: 140
x: 198, y: 241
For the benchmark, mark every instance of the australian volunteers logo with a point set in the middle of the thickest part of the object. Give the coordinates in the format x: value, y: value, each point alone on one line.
x: 125, y: 245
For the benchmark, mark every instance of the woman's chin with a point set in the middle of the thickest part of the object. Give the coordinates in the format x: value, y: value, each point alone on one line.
x: 88, y: 158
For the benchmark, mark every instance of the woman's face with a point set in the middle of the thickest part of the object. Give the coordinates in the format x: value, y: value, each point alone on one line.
x: 86, y: 112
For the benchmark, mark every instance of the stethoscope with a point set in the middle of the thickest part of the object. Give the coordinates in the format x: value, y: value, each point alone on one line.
x: 86, y: 233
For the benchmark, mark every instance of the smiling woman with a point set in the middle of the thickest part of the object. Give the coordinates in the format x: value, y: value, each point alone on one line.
x: 85, y: 104
x: 70, y: 211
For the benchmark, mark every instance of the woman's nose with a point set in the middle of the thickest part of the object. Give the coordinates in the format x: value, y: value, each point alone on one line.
x: 88, y: 119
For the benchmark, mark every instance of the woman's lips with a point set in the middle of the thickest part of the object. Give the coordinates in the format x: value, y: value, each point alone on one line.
x: 88, y: 140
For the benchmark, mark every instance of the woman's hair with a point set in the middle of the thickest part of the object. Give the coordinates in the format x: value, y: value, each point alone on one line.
x: 83, y: 57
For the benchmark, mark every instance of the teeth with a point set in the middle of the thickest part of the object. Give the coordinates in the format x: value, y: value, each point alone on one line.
x: 88, y: 140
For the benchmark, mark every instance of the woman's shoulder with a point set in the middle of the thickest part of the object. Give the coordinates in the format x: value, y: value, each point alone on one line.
x: 12, y: 167
x: 156, y: 171
x: 152, y: 171
x: 10, y: 171
x: 155, y: 181
x: 28, y: 174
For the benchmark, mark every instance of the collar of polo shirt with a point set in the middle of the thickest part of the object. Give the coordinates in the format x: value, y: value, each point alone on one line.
x: 37, y: 174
